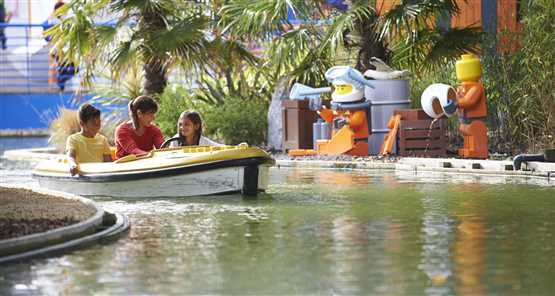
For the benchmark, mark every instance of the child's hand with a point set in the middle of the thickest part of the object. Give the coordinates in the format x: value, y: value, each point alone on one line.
x: 73, y: 169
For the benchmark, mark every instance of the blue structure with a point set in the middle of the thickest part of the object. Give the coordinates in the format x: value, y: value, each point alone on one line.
x: 30, y: 86
x: 31, y: 110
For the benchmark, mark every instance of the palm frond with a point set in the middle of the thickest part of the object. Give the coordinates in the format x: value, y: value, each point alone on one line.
x: 410, y: 15
x: 252, y: 18
x: 451, y: 44
x: 187, y: 34
x: 430, y: 48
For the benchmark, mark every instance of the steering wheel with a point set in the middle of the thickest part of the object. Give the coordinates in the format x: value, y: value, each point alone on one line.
x: 168, y: 141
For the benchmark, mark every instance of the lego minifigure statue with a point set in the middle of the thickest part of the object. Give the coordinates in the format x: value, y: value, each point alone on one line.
x: 471, y: 102
x: 348, y: 114
x: 349, y: 110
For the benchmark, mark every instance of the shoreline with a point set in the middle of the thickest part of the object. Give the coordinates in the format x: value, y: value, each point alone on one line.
x: 540, y: 170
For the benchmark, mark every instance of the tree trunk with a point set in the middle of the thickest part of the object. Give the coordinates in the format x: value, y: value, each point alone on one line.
x: 155, y: 78
x: 370, y: 45
x: 275, y: 121
x: 154, y: 68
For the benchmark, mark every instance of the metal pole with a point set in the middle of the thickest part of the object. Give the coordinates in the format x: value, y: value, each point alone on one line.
x: 28, y: 79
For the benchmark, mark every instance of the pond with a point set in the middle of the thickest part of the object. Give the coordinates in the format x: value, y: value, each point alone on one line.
x: 316, y: 231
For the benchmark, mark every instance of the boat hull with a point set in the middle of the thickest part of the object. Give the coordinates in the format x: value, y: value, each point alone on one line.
x: 164, y: 173
x: 215, y: 181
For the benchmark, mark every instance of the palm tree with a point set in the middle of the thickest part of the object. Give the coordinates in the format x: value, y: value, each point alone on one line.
x: 161, y: 34
x: 402, y: 36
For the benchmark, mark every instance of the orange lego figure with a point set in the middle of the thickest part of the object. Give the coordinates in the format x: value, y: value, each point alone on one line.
x: 471, y: 102
x: 348, y: 114
x: 356, y: 122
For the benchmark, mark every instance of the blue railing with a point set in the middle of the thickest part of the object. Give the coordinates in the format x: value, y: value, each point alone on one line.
x: 26, y: 66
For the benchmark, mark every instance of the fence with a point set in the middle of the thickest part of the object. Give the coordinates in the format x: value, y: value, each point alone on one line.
x: 26, y: 66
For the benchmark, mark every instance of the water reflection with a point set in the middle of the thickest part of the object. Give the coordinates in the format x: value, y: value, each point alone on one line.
x: 316, y: 232
x: 437, y: 230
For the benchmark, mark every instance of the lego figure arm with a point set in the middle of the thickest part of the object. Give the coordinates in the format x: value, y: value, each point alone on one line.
x: 471, y: 97
x: 326, y: 114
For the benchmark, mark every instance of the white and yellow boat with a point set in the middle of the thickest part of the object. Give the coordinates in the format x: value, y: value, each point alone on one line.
x: 175, y: 172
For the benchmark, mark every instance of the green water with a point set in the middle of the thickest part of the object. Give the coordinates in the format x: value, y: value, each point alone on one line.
x: 320, y: 232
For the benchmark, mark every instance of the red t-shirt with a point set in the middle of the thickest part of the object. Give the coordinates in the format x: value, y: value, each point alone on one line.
x: 128, y: 142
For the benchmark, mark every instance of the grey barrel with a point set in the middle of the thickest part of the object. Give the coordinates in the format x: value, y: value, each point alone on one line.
x: 386, y: 97
x: 316, y: 133
x: 321, y: 130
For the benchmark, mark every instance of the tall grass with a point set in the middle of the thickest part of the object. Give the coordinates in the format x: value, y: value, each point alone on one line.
x: 65, y: 124
x: 520, y: 84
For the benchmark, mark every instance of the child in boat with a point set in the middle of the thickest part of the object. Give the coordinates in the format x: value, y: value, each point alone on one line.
x: 87, y: 145
x: 189, y: 131
x: 139, y: 135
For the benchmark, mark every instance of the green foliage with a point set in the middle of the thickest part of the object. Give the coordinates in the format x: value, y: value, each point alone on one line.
x: 174, y: 100
x: 238, y: 120
x: 160, y: 34
x: 232, y: 121
x: 305, y: 51
x: 520, y: 85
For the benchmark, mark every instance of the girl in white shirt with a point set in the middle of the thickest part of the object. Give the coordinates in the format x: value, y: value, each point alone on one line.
x: 189, y: 131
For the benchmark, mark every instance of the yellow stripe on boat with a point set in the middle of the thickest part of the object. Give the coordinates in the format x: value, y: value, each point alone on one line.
x: 159, y: 159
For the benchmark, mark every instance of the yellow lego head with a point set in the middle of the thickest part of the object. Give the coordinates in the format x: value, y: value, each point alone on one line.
x: 468, y: 68
x: 343, y: 89
x: 345, y: 92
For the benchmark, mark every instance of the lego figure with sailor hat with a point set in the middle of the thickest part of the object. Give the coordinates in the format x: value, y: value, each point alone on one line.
x: 348, y: 114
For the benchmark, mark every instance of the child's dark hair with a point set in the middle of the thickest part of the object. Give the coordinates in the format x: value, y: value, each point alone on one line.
x: 88, y: 112
x: 194, y: 117
x: 143, y: 103
x: 58, y: 5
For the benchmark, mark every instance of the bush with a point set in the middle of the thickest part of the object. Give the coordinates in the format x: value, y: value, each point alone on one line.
x: 173, y: 101
x: 519, y: 85
x: 234, y: 121
x: 238, y: 120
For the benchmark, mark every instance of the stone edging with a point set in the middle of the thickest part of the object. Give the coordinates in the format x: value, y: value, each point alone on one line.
x: 369, y: 165
x: 540, y: 170
x: 62, y: 238
x: 37, y: 240
x: 544, y: 171
x: 478, y: 167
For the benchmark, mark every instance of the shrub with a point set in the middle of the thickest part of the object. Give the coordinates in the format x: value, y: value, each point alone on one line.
x: 238, y: 120
x: 232, y: 121
x: 173, y: 101
x: 519, y: 85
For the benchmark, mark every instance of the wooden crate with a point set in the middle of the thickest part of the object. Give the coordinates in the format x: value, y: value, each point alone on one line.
x: 297, y: 124
x: 417, y: 139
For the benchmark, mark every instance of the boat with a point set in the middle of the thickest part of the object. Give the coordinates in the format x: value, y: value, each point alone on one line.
x: 169, y: 172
